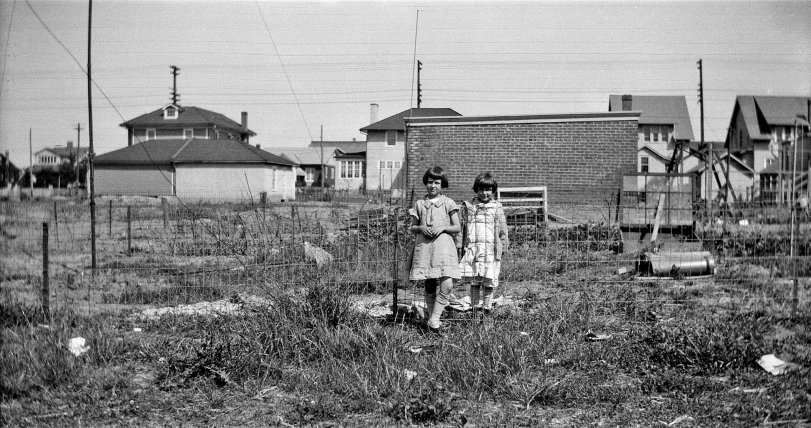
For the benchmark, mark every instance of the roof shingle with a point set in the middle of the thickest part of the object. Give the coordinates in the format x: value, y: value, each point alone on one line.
x: 397, y: 121
x: 193, y: 151
x: 187, y: 116
x: 658, y: 110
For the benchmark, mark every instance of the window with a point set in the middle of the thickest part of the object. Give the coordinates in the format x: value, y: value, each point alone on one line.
x: 646, y: 132
x: 396, y: 164
x: 170, y: 113
x: 389, y: 165
x: 352, y: 169
x: 381, y: 164
x: 643, y: 164
x: 391, y: 138
x: 310, y: 174
x: 151, y: 134
x: 188, y: 133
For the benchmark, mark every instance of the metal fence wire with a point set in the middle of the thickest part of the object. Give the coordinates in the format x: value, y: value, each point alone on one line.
x: 161, y: 254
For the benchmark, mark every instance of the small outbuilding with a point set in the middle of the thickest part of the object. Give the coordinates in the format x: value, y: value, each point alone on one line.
x: 195, y: 169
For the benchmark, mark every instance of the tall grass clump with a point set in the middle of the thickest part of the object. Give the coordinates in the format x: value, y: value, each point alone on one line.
x: 35, y: 356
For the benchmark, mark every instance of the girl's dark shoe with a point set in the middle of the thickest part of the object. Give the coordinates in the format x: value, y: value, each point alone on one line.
x: 435, y: 332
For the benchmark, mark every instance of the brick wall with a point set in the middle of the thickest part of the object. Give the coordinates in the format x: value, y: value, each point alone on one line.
x: 580, y: 162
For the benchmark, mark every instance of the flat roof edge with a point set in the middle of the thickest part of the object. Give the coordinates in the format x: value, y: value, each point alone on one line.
x: 534, y: 118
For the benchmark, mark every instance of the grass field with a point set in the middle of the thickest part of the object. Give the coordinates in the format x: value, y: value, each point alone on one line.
x: 296, y: 351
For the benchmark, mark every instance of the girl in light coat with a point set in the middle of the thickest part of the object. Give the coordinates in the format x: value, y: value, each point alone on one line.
x: 484, y: 240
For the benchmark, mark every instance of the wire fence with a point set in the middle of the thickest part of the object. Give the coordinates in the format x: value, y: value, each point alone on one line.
x: 164, y: 254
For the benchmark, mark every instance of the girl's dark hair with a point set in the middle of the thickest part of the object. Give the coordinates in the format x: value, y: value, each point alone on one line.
x: 485, y: 180
x: 436, y: 173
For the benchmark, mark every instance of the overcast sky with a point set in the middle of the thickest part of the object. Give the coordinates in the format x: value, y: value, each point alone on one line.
x: 296, y: 66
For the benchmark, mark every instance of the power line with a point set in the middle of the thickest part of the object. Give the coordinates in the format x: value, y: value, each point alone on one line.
x: 267, y: 29
x: 8, y: 37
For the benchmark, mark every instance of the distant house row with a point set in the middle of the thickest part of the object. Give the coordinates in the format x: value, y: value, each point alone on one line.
x: 190, y: 152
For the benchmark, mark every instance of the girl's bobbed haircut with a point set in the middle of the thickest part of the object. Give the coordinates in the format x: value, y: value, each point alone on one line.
x: 485, y: 180
x: 436, y: 173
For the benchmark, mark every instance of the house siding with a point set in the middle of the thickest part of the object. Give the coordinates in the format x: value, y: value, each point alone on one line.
x: 378, y: 150
x: 235, y: 182
x: 133, y: 180
x: 581, y: 163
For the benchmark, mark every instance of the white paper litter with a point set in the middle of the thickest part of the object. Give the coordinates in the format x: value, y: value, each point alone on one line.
x: 409, y: 374
x: 77, y: 346
x: 772, y: 364
x: 137, y: 329
x: 595, y: 337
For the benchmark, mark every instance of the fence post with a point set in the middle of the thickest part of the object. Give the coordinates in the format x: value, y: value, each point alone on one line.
x: 165, y: 213
x: 110, y: 216
x: 129, y: 230
x: 46, y: 292
x: 795, y: 211
x: 395, y: 264
x: 56, y: 223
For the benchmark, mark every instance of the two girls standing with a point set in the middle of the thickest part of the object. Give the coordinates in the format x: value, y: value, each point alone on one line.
x: 435, y: 221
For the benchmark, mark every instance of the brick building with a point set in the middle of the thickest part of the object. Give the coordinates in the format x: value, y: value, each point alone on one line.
x: 580, y: 158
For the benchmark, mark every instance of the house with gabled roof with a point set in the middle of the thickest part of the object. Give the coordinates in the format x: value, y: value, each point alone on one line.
x: 762, y: 131
x: 385, y: 147
x: 51, y: 158
x: 758, y: 121
x: 174, y: 122
x: 664, y: 121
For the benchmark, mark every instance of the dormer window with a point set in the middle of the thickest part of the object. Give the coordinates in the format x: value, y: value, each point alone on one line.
x: 170, y: 113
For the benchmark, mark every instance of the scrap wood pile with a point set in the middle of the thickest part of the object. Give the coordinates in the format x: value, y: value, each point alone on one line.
x: 583, y: 237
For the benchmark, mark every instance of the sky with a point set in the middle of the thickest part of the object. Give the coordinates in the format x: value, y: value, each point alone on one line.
x: 298, y: 68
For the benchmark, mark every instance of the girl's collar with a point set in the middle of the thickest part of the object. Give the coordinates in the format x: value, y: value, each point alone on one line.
x: 437, y: 202
x: 476, y: 201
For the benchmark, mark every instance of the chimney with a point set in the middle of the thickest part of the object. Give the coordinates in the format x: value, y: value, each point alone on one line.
x: 70, y: 144
x: 373, y: 112
x: 627, y: 103
x: 258, y: 146
x: 245, y: 120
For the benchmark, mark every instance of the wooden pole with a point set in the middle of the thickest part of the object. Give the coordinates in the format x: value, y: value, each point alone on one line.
x: 90, y: 154
x: 46, y: 292
x: 56, y: 223
x: 395, y: 265
x: 129, y: 230
x: 165, y: 213
x: 31, y: 166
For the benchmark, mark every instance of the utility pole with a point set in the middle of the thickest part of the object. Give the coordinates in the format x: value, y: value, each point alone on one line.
x: 175, y: 95
x: 709, y: 160
x: 78, y: 129
x: 419, y: 85
x: 90, y: 150
x: 30, y: 166
x: 323, y: 171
